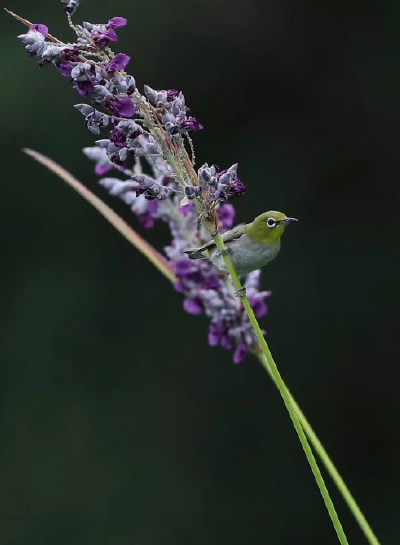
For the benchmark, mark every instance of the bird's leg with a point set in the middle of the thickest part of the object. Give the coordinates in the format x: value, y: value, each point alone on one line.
x: 240, y: 293
x: 223, y: 252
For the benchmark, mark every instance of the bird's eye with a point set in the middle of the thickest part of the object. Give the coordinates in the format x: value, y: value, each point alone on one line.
x: 271, y: 222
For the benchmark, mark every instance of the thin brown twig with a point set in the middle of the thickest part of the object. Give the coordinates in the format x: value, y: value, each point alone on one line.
x: 28, y: 24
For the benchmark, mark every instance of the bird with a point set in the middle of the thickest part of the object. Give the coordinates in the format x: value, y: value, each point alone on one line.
x: 250, y: 246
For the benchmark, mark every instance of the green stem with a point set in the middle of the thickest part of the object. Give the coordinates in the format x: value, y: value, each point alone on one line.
x: 329, y: 465
x: 170, y: 159
x: 273, y: 369
x: 285, y: 395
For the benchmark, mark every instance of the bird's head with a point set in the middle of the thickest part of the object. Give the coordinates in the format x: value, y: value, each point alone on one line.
x: 268, y: 227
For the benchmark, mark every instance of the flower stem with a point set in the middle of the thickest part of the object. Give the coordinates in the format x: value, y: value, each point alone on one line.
x: 285, y: 395
x: 328, y: 463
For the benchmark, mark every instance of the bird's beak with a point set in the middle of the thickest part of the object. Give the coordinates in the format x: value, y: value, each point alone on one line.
x: 289, y: 220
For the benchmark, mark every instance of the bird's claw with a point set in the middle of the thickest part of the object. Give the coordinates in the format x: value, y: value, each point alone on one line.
x: 223, y: 252
x: 240, y: 293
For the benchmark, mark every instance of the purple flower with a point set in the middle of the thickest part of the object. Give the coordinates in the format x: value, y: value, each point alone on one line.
x: 84, y: 88
x: 183, y: 267
x: 229, y: 184
x: 99, y: 155
x: 255, y: 296
x: 207, y: 175
x: 172, y: 94
x: 117, y: 63
x: 50, y: 54
x: 40, y: 28
x: 192, y: 191
x: 125, y: 85
x: 101, y: 169
x: 212, y: 282
x: 103, y: 38
x: 67, y: 59
x: 189, y: 124
x: 151, y: 188
x: 64, y: 67
x: 118, y: 106
x: 180, y: 125
x: 187, y: 209
x: 124, y: 130
x: 226, y: 215
x: 215, y: 333
x: 151, y: 94
x: 125, y: 189
x: 225, y: 341
x: 102, y: 34
x: 174, y: 110
x: 160, y: 98
x: 236, y: 188
x: 94, y: 120
x: 84, y: 74
x: 121, y: 107
x: 34, y: 42
x: 117, y: 22
x: 240, y: 353
x: 184, y: 270
x: 118, y: 138
x: 259, y: 306
x: 56, y: 53
x: 193, y: 306
x: 221, y: 185
x: 147, y: 217
x: 115, y: 154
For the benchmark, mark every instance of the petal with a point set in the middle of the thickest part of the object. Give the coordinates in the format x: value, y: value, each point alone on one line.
x: 40, y: 28
x: 240, y: 353
x: 101, y: 169
x: 117, y: 22
x: 123, y: 107
x: 192, y: 306
x: 118, y: 63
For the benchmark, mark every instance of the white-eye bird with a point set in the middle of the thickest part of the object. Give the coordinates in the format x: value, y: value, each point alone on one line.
x: 250, y: 246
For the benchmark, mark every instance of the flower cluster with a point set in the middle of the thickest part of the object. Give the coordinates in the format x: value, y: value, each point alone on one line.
x: 206, y: 289
x: 101, y: 77
x: 171, y: 106
x: 218, y: 185
x: 205, y: 293
x: 101, y: 34
x: 146, y: 144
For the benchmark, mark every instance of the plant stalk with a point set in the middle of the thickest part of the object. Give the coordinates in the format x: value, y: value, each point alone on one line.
x: 327, y: 462
x: 285, y: 395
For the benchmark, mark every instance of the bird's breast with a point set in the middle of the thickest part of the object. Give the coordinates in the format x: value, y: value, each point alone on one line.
x: 247, y: 255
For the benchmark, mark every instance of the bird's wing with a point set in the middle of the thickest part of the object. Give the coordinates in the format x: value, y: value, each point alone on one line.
x: 234, y: 233
x: 229, y: 236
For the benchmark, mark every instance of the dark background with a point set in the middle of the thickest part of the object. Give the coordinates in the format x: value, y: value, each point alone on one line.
x: 119, y: 425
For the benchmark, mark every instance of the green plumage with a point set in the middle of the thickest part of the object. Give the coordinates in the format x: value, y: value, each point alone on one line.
x: 250, y: 246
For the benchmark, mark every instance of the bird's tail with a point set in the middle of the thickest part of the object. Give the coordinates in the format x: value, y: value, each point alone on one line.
x: 195, y: 253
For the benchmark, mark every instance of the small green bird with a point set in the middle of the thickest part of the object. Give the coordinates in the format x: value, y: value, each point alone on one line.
x: 250, y: 246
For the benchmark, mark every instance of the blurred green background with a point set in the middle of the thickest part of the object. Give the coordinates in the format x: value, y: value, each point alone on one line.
x: 118, y: 424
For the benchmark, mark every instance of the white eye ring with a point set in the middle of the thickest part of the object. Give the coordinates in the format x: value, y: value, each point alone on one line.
x: 271, y: 222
